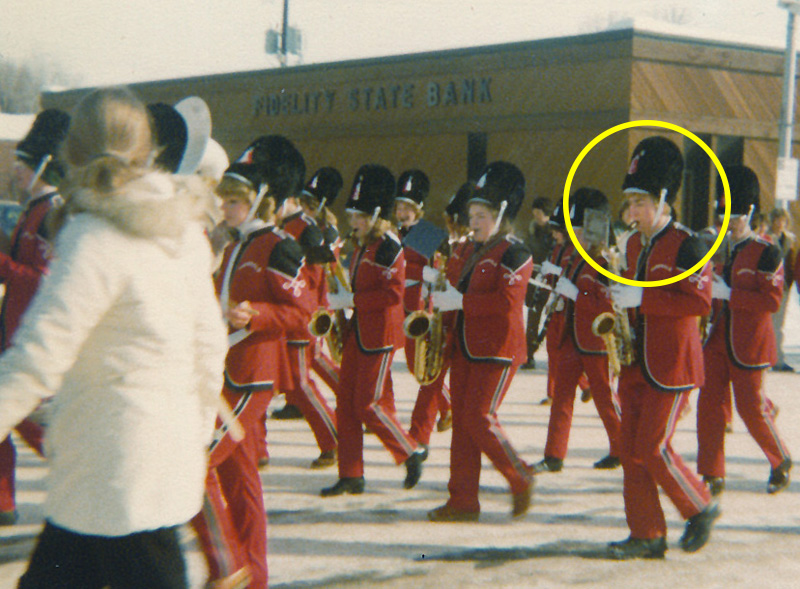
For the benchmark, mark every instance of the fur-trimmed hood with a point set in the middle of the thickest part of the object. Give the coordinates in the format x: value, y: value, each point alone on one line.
x: 156, y: 206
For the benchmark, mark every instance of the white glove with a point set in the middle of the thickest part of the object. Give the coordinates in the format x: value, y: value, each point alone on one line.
x: 720, y: 290
x: 626, y: 296
x: 447, y: 300
x: 340, y: 300
x: 549, y: 268
x: 565, y: 287
x: 430, y: 274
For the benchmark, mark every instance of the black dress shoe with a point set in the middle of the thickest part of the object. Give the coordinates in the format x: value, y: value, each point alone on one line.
x: 287, y: 412
x: 716, y: 485
x: 638, y: 548
x: 548, y: 464
x: 779, y: 477
x: 529, y: 365
x: 698, y: 528
x: 8, y: 518
x: 607, y: 463
x: 350, y: 485
x: 782, y: 367
x: 414, y: 467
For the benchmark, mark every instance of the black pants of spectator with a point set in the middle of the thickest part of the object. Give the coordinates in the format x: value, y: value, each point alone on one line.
x: 67, y: 560
x: 535, y: 299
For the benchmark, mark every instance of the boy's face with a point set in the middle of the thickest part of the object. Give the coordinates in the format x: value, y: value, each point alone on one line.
x: 642, y: 211
x: 540, y: 218
x: 235, y: 209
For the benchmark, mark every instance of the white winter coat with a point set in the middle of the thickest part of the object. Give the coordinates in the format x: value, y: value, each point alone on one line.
x: 127, y: 333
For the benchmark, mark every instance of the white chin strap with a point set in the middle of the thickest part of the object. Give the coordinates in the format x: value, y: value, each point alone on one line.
x: 750, y: 214
x: 39, y: 171
x: 321, y: 204
x: 662, y: 201
x: 262, y: 192
x: 374, y: 218
x: 496, y: 228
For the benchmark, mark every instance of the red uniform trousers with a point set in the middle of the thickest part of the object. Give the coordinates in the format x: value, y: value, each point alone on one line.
x: 751, y: 403
x: 232, y: 527
x: 33, y: 434
x: 649, y: 417
x: 432, y: 398
x: 365, y: 397
x: 306, y: 396
x: 570, y: 367
x: 478, y: 389
x: 552, y: 359
x: 324, y: 366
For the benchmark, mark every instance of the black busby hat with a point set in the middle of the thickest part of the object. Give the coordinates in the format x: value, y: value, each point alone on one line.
x: 247, y: 174
x: 324, y: 185
x: 745, y: 191
x: 656, y: 168
x: 181, y: 133
x: 501, y: 182
x: 413, y: 187
x: 279, y: 164
x: 581, y: 200
x: 372, y: 192
x: 39, y: 148
x: 457, y: 205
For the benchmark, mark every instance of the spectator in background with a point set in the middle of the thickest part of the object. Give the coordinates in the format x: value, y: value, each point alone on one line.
x: 540, y: 242
x: 779, y: 234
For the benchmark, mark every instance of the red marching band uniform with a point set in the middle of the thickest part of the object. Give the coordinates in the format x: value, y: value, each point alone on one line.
x: 575, y: 350
x: 23, y: 267
x: 741, y: 345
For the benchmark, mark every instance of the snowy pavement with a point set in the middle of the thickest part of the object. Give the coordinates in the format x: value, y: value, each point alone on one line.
x: 383, y: 539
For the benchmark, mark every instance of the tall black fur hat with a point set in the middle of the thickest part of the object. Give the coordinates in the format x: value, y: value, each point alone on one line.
x: 324, y: 185
x: 247, y: 174
x: 372, y: 192
x: 456, y: 207
x: 181, y: 133
x: 44, y: 139
x: 280, y: 165
x: 745, y: 191
x: 586, y: 198
x: 501, y: 182
x: 656, y: 165
x: 413, y: 187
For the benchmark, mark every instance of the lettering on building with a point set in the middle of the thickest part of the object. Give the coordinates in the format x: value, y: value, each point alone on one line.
x: 294, y: 103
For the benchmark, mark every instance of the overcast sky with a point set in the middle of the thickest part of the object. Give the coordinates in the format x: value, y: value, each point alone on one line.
x: 119, y: 41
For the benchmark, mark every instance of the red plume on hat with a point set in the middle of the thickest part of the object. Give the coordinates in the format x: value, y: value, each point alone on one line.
x: 413, y: 187
x: 656, y: 166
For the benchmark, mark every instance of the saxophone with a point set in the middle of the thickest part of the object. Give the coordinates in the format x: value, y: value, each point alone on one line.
x: 617, y: 334
x: 425, y: 328
x: 330, y: 324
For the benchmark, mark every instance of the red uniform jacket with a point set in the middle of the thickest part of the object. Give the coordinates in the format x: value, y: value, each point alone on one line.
x: 491, y: 326
x: 591, y: 301
x: 754, y: 271
x: 668, y: 345
x: 22, y: 269
x: 460, y: 251
x: 415, y: 262
x: 378, y: 276
x: 309, y: 236
x: 566, y: 257
x: 266, y: 272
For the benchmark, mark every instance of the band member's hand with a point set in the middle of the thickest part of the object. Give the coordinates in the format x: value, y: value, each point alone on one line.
x: 430, y: 274
x: 626, y: 296
x: 340, y: 300
x: 447, y: 300
x: 565, y: 287
x: 550, y: 268
x: 239, y: 316
x: 720, y: 290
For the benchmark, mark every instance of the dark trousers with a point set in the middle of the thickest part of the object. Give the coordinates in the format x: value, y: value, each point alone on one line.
x: 67, y: 560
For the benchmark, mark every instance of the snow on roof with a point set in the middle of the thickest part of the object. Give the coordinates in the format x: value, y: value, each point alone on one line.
x: 14, y: 127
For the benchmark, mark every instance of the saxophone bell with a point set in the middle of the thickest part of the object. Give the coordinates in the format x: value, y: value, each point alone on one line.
x: 321, y: 323
x: 604, y: 326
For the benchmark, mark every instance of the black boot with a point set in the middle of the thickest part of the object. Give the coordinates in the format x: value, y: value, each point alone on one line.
x: 638, y: 548
x: 548, y: 464
x: 698, y: 528
x: 287, y: 412
x: 414, y: 467
x: 716, y: 485
x: 779, y: 477
x: 350, y: 485
x: 607, y: 463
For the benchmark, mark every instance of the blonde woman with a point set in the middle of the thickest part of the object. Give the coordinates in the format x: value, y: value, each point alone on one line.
x: 125, y: 331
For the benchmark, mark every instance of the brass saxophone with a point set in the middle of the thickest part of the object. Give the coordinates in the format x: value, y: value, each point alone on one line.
x: 331, y: 324
x: 615, y: 328
x: 425, y: 328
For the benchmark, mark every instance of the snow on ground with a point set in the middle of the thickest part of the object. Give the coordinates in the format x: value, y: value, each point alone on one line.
x: 383, y: 539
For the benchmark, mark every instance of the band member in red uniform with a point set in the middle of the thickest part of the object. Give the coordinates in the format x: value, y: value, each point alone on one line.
x: 264, y: 295
x: 37, y: 171
x: 490, y: 345
x: 741, y: 344
x: 577, y: 349
x: 669, y: 362
x: 305, y: 394
x: 375, y: 331
x: 412, y: 189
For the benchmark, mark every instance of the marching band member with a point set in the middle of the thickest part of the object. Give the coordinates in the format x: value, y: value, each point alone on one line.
x: 577, y: 349
x: 37, y: 171
x: 741, y: 344
x: 377, y: 276
x: 490, y: 345
x: 412, y: 190
x: 669, y: 364
x: 264, y: 296
x: 305, y: 394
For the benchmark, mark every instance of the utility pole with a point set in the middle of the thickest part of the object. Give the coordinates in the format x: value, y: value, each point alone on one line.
x: 786, y: 178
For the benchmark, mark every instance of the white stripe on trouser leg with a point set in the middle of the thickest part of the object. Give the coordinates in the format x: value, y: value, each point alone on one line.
x: 390, y: 425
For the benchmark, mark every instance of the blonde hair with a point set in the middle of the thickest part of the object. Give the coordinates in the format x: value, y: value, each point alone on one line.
x: 378, y: 230
x: 230, y: 187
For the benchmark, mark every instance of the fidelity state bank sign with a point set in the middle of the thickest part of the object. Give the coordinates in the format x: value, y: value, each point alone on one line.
x: 377, y: 98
